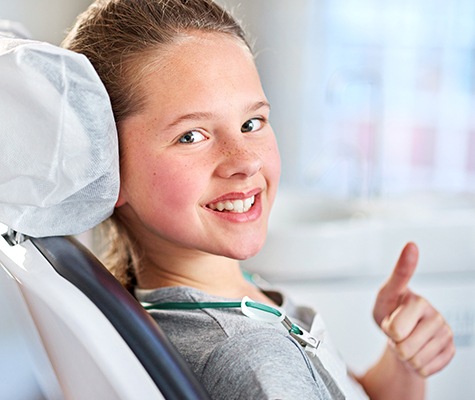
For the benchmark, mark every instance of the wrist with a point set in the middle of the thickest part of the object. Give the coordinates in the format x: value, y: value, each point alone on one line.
x: 391, y: 378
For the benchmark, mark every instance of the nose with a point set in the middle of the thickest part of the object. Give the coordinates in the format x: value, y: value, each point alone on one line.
x: 239, y: 159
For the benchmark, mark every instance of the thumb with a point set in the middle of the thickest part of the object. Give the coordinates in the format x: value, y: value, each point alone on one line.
x: 394, y: 289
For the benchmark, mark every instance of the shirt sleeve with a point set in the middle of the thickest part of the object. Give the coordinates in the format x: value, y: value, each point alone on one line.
x: 261, y: 365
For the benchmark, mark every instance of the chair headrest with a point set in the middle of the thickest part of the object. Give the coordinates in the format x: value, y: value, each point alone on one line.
x: 59, y: 165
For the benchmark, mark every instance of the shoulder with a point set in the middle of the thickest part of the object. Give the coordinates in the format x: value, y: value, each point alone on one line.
x: 262, y: 364
x: 236, y: 357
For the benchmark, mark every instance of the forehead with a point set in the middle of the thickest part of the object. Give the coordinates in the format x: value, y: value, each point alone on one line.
x: 198, y: 61
x: 194, y: 44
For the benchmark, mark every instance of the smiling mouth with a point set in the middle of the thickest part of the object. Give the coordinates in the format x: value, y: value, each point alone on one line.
x: 236, y: 206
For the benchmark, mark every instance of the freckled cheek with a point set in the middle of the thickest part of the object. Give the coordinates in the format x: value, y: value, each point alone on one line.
x: 179, y: 187
x: 273, y: 169
x: 273, y: 162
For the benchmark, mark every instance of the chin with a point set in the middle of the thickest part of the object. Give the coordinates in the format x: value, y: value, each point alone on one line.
x: 242, y: 253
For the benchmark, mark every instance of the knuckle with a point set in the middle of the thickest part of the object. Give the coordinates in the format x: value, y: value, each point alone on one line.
x: 395, y: 333
x: 440, y: 320
x: 403, y: 351
x: 451, y: 349
x: 424, y: 372
x: 449, y: 333
x: 421, y: 302
x: 415, y: 364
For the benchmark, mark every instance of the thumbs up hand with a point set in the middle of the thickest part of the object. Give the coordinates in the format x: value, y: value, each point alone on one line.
x: 416, y: 331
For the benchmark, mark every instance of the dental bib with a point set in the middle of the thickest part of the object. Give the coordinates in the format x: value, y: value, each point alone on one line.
x: 57, y: 128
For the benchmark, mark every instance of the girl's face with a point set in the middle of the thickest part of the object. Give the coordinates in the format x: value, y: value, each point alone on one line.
x: 200, y: 164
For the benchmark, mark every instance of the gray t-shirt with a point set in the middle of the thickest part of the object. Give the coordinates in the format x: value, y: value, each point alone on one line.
x: 236, y: 357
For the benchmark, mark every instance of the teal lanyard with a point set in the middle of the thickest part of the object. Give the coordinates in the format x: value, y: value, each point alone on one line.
x: 220, y: 304
x: 304, y: 338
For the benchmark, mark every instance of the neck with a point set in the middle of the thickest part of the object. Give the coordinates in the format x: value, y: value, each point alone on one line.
x: 215, y: 275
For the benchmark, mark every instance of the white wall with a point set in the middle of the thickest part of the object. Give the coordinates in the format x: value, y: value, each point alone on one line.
x: 47, y: 20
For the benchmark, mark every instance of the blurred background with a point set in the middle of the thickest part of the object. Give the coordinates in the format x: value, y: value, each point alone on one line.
x: 370, y: 97
x: 372, y: 104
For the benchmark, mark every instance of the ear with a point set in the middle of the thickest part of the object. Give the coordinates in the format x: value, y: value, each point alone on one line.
x: 121, y: 200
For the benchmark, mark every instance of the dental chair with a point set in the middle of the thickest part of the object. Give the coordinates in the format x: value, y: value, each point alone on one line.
x: 58, y: 178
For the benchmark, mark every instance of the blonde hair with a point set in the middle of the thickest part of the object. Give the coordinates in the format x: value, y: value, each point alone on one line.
x: 118, y: 37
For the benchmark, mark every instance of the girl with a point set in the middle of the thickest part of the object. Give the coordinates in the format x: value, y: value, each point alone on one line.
x: 199, y: 173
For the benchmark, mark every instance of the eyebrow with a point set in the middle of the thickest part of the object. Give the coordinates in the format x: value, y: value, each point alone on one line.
x: 208, y: 115
x: 258, y: 105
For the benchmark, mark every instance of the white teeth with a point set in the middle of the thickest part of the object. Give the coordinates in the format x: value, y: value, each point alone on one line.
x: 238, y: 206
x: 248, y: 203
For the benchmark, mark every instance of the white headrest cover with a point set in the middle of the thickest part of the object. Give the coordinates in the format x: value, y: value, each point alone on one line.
x: 59, y: 166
